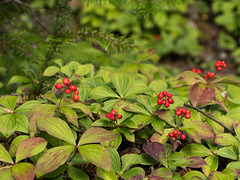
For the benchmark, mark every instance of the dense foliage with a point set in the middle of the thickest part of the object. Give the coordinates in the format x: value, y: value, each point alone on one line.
x: 82, y: 100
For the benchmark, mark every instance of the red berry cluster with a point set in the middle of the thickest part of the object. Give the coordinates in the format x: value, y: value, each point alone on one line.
x: 209, y: 75
x: 220, y: 64
x: 196, y: 70
x: 183, y: 112
x: 165, y: 98
x: 68, y: 88
x: 113, y: 115
x: 149, y: 50
x: 176, y: 134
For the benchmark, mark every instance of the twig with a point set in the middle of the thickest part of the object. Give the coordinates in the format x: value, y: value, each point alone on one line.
x: 5, y: 2
x: 34, y: 14
x: 197, y: 109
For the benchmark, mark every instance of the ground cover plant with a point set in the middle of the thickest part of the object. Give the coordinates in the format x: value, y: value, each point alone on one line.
x: 128, y: 117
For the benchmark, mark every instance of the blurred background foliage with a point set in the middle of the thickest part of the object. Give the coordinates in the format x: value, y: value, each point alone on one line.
x: 173, y: 36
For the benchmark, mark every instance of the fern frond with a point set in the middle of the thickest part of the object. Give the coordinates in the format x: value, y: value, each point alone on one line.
x: 112, y: 44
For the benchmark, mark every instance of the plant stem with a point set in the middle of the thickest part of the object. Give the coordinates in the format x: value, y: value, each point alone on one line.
x: 197, y: 109
x: 171, y: 146
x: 179, y: 122
x: 59, y: 105
x: 156, y: 110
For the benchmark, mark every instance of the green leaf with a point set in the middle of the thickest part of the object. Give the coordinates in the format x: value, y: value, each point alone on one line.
x: 115, y: 143
x: 15, y: 143
x: 194, y: 175
x: 195, y: 149
x: 77, y: 174
x: 30, y: 147
x: 57, y: 128
x: 77, y: 159
x: 235, y: 164
x: 188, y: 78
x: 50, y: 71
x: 118, y: 106
x: 201, y: 94
x: 27, y: 106
x: 23, y: 171
x: 103, y: 122
x: 237, y: 129
x: 52, y: 159
x: 84, y: 93
x: 6, y: 173
x: 106, y: 175
x: 9, y: 102
x: 59, y: 62
x: 158, y: 86
x: 42, y: 111
x: 100, y: 92
x: 228, y: 152
x: 97, y: 154
x: 23, y: 123
x: 233, y: 94
x: 158, y: 125
x: 115, y: 159
x: 82, y: 107
x: 225, y: 80
x: 199, y: 130
x: 70, y: 114
x: 133, y: 173
x: 126, y: 132
x: 232, y: 172
x: 138, y: 108
x: 212, y: 165
x: 8, y: 124
x: 161, y: 173
x: 146, y: 159
x: 216, y: 175
x: 234, y: 114
x: 146, y: 102
x: 82, y: 70
x: 137, y: 89
x: 121, y: 82
x: 156, y: 137
x: 18, y: 79
x: 225, y: 139
x: 96, y: 135
x: 51, y: 97
x: 4, y: 155
x: 129, y: 160
x: 67, y: 70
x: 193, y: 162
x: 166, y: 116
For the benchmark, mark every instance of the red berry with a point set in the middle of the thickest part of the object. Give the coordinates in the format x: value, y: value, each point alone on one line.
x: 169, y: 95
x: 212, y: 75
x: 187, y: 116
x: 208, y: 74
x: 164, y: 93
x: 65, y: 81
x: 73, y: 88
x: 188, y: 111
x: 217, y: 64
x: 112, y: 117
x: 180, y: 109
x: 224, y: 65
x: 67, y: 91
x: 184, y: 111
x: 76, y: 92
x: 179, y: 132
x: 175, y: 132
x: 76, y: 97
x: 119, y: 116
x: 198, y: 71
x: 193, y: 69
x: 164, y: 102
x: 171, y: 135
x: 176, y: 135
x: 183, y: 136
x: 159, y: 102
x: 170, y: 100
x: 178, y: 112
x: 167, y: 104
x: 157, y: 37
x: 108, y: 115
x: 58, y: 86
x: 113, y: 113
x: 160, y: 95
x: 219, y: 68
x: 149, y: 50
